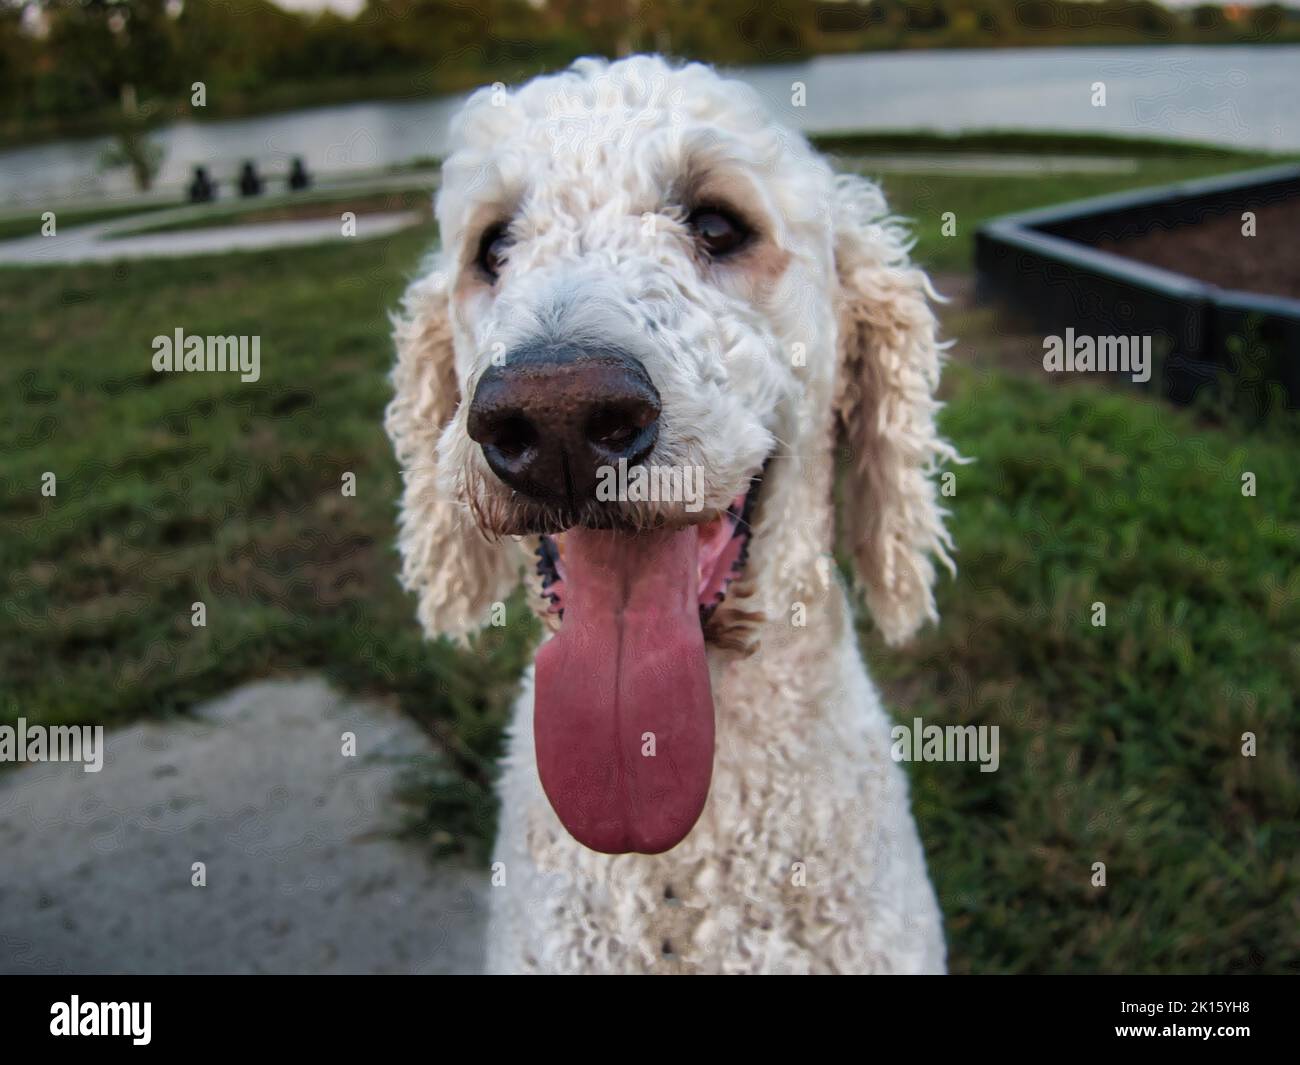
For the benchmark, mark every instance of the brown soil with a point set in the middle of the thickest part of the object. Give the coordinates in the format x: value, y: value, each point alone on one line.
x: 1214, y: 250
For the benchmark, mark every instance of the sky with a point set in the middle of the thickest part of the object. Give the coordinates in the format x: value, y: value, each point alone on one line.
x: 346, y: 8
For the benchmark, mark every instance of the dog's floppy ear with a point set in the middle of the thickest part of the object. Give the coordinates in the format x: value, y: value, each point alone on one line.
x: 456, y: 573
x: 889, y: 362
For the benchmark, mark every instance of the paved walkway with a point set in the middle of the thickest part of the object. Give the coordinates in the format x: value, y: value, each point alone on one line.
x: 303, y: 871
x: 92, y: 243
x: 161, y: 196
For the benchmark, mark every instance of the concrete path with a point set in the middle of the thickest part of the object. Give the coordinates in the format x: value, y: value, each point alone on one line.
x: 303, y: 872
x: 92, y: 242
x: 162, y: 196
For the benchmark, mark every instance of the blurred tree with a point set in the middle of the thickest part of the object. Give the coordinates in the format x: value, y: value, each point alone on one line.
x: 989, y: 21
x: 1207, y: 16
x: 107, y: 45
x: 1266, y: 20
x: 925, y: 17
x: 1038, y: 14
x: 133, y: 148
x: 117, y: 53
x: 608, y: 24
x: 16, y: 73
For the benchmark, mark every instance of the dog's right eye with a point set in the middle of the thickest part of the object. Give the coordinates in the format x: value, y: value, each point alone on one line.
x: 492, y: 248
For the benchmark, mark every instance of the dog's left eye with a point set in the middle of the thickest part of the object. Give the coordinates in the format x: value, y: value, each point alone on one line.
x: 719, y: 232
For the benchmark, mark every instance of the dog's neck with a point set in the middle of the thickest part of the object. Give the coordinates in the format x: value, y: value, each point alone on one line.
x: 805, y: 652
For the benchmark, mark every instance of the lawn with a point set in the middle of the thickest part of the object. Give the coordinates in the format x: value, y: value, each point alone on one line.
x: 28, y: 224
x: 1119, y: 744
x: 291, y: 207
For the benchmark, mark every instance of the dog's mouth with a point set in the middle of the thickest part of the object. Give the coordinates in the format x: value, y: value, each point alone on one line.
x: 623, y: 714
x: 723, y: 547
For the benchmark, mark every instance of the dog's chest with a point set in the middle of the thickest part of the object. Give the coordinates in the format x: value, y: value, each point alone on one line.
x: 787, y: 870
x: 774, y: 877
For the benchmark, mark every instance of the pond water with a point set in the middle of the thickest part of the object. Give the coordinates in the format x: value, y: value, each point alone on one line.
x: 1242, y: 96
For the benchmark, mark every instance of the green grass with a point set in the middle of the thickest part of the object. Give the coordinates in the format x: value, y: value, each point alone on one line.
x: 1119, y: 744
x: 1015, y: 141
x: 292, y: 207
x: 29, y: 224
x: 925, y: 198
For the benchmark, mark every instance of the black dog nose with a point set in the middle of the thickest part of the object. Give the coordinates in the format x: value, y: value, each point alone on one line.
x: 549, y: 418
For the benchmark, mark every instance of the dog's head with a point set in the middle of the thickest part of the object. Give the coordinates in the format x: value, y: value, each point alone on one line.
x: 652, y: 311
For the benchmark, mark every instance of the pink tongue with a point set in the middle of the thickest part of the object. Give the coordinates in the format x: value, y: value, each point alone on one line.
x: 623, y: 718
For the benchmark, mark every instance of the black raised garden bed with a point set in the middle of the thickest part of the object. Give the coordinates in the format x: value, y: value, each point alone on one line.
x: 1081, y: 266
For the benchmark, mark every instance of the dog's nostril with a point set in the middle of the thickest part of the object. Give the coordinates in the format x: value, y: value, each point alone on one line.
x: 513, y: 436
x: 616, y: 428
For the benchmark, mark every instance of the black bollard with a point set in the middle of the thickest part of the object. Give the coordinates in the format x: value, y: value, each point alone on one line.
x: 298, y: 176
x: 202, y: 188
x: 250, y: 184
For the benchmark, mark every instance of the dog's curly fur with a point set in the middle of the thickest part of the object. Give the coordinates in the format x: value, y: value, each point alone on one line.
x: 818, y: 341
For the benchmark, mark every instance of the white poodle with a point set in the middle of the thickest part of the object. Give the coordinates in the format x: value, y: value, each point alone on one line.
x: 642, y: 273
